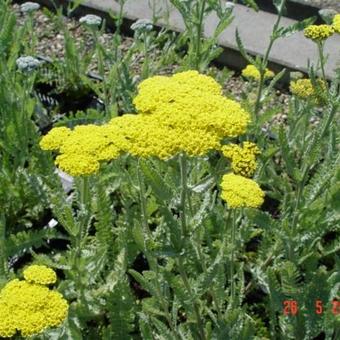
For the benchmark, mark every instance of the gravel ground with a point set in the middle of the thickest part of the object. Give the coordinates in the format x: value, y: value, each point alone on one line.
x: 51, y: 44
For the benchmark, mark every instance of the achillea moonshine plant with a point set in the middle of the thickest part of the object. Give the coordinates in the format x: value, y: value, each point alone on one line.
x: 28, y: 306
x: 179, y: 117
x: 251, y: 72
x: 172, y: 119
x: 336, y: 23
x: 304, y: 89
x: 243, y: 158
x: 319, y: 34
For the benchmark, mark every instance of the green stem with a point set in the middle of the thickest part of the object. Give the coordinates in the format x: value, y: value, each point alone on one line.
x: 322, y: 60
x: 146, y: 65
x: 308, y: 166
x: 265, y: 62
x: 3, y: 252
x: 262, y: 267
x: 179, y: 260
x: 144, y: 221
x: 188, y: 288
x: 83, y: 199
x: 184, y: 189
x: 147, y: 236
x: 205, y: 270
x: 101, y: 69
x: 200, y: 24
x: 233, y: 232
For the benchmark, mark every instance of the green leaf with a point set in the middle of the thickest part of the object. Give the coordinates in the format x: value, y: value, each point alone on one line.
x: 276, y: 79
x: 297, y: 27
x: 287, y: 154
x: 243, y: 52
x: 260, y: 218
x: 160, y: 188
x: 150, y: 306
x: 222, y: 25
x: 279, y: 5
x: 142, y: 281
x: 252, y: 4
x: 137, y: 233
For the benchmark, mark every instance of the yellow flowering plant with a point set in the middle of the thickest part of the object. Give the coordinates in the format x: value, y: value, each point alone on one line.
x: 319, y: 32
x: 336, y: 23
x: 304, y: 89
x: 251, y: 72
x: 187, y: 213
x: 29, y: 306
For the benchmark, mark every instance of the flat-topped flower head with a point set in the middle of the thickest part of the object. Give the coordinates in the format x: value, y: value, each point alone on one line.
x: 55, y: 138
x: 243, y: 158
x: 304, y: 89
x: 77, y: 164
x: 29, y: 7
x: 28, y: 63
x: 142, y: 25
x: 239, y: 192
x: 336, y: 23
x: 182, y: 113
x: 91, y: 20
x: 30, y: 308
x: 251, y: 72
x: 40, y: 274
x: 318, y: 32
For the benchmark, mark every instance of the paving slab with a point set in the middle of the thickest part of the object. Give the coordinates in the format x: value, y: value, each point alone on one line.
x: 255, y: 28
x: 294, y: 52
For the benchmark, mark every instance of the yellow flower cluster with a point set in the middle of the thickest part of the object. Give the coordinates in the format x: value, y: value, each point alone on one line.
x: 55, y: 138
x: 336, y: 23
x: 30, y: 308
x: 183, y: 113
x: 243, y: 158
x: 318, y: 32
x: 239, y: 191
x: 40, y: 274
x: 303, y: 88
x: 252, y: 72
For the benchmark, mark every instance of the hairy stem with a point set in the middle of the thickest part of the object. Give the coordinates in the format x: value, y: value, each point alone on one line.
x: 184, y: 189
x: 322, y: 60
x: 264, y: 62
x: 200, y: 14
x: 232, y: 283
x: 147, y: 236
x: 188, y: 288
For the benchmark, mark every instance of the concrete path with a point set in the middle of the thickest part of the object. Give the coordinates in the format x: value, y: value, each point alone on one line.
x: 255, y: 28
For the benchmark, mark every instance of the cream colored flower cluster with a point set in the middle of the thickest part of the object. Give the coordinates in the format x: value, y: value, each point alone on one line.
x: 28, y: 306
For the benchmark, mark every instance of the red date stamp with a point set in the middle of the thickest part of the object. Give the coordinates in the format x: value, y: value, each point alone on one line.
x: 290, y: 307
